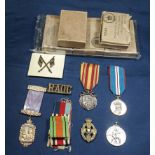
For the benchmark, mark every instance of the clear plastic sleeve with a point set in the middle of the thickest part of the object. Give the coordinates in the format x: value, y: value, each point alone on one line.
x: 46, y: 33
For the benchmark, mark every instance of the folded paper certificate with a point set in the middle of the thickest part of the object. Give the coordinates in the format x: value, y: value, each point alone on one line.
x: 115, y: 29
x: 46, y: 65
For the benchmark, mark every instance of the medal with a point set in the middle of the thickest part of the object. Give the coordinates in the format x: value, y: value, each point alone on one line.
x: 116, y: 135
x: 31, y: 107
x: 117, y: 83
x: 89, y: 76
x: 88, y: 131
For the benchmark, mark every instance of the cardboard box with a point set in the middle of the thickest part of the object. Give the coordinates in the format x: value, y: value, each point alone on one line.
x: 72, y: 29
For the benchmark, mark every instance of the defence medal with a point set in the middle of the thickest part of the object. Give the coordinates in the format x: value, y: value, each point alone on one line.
x: 31, y: 108
x: 116, y: 135
x: 88, y: 131
x: 117, y: 83
x: 89, y: 76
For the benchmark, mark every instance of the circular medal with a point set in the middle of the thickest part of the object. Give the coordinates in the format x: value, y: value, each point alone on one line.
x: 116, y: 135
x: 88, y: 101
x: 118, y: 107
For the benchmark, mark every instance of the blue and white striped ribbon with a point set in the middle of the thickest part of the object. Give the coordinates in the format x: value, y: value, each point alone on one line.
x: 117, y: 79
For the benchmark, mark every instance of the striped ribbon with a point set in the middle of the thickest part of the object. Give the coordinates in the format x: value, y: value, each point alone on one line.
x: 89, y: 75
x: 60, y: 126
x: 117, y: 79
x: 65, y: 108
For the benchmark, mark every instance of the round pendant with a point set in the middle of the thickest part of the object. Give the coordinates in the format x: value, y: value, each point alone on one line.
x: 118, y: 107
x: 88, y: 101
x: 116, y: 135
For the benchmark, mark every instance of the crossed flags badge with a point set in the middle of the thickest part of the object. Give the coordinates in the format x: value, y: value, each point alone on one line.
x: 43, y: 64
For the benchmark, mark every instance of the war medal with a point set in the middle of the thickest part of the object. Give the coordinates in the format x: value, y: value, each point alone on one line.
x: 89, y: 76
x: 88, y: 131
x: 32, y: 107
x: 117, y: 82
x: 116, y: 135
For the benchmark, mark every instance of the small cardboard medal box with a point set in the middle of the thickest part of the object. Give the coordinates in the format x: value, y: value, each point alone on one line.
x: 72, y: 29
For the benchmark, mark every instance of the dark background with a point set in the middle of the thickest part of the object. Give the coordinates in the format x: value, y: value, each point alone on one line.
x: 20, y: 24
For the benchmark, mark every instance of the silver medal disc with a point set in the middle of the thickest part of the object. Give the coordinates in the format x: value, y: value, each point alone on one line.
x: 118, y: 107
x: 116, y: 135
x: 88, y: 101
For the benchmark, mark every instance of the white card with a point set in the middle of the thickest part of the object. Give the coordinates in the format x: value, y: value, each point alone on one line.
x: 46, y: 65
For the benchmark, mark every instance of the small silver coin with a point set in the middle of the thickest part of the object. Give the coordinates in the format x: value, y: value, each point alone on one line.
x: 118, y: 107
x: 88, y: 101
x: 116, y: 135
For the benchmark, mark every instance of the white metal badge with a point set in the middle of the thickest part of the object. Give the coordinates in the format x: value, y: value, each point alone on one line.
x: 116, y: 135
x: 46, y: 65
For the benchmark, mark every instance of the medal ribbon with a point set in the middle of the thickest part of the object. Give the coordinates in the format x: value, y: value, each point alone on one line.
x: 89, y: 75
x: 60, y: 125
x: 33, y: 100
x: 117, y: 79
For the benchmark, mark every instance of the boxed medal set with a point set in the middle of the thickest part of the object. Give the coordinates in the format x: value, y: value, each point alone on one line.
x: 75, y: 33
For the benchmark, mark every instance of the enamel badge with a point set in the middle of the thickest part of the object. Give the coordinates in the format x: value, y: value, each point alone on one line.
x: 88, y: 131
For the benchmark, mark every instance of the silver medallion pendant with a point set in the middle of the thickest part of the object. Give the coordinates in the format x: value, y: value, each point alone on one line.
x: 88, y: 100
x: 116, y: 135
x: 27, y: 133
x: 118, y: 107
